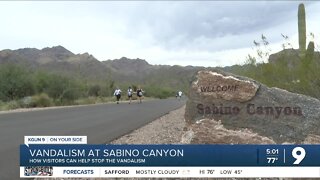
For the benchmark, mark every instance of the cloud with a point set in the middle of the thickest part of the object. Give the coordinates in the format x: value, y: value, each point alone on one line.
x: 176, y: 24
x: 190, y: 32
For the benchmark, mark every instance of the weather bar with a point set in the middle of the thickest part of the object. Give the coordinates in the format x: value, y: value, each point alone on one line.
x: 171, y: 172
x: 87, y: 160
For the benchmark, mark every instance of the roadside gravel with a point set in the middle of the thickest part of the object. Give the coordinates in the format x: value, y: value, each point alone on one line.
x: 168, y: 129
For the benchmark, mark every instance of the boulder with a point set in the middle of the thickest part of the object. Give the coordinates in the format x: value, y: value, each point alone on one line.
x: 243, y: 104
x: 209, y: 131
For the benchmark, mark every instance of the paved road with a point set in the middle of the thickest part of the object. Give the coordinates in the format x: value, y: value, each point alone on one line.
x: 100, y: 123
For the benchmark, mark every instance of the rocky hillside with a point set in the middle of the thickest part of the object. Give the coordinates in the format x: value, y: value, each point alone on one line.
x: 56, y: 59
x: 33, y: 55
x: 124, y: 70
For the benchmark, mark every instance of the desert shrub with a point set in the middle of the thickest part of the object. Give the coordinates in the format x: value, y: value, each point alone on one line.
x: 159, y: 92
x: 94, y: 90
x: 41, y: 100
x: 12, y: 105
x: 26, y: 102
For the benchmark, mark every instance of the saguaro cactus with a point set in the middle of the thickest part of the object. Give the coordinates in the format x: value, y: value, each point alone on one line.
x: 302, y: 28
x: 310, y: 51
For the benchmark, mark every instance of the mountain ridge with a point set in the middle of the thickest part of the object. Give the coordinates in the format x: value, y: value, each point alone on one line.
x: 60, y: 60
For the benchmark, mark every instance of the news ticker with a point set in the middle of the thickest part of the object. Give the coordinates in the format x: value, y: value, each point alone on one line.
x: 168, y: 155
x: 58, y: 156
x: 172, y: 172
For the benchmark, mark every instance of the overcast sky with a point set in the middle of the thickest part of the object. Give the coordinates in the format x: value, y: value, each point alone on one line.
x: 207, y: 33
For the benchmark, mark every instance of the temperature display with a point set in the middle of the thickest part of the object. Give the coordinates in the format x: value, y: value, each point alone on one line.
x: 272, y: 155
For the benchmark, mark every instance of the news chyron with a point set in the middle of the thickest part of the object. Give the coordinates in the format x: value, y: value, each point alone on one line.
x: 71, y: 156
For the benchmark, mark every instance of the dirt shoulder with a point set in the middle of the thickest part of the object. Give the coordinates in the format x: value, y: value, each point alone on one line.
x: 168, y: 129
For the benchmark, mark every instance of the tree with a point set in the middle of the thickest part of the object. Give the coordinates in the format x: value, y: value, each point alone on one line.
x: 94, y: 90
x: 15, y: 82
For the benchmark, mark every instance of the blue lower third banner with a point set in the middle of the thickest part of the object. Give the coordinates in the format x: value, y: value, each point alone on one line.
x: 169, y: 155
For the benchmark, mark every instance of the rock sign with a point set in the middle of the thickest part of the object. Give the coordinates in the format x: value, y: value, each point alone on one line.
x: 242, y: 103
